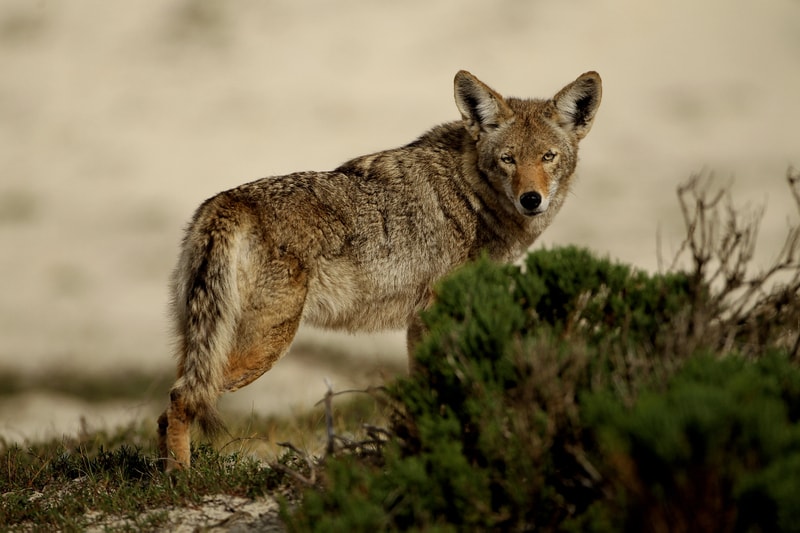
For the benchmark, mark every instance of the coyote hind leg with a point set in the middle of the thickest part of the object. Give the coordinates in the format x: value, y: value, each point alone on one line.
x: 174, y: 426
x: 255, y: 353
x: 268, y: 323
x: 250, y: 358
x: 264, y: 331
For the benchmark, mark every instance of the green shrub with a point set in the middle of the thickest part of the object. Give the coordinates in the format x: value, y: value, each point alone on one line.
x: 697, y: 453
x: 562, y: 396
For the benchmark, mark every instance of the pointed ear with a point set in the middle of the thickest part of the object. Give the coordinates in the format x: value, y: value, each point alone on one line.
x: 481, y: 108
x: 577, y: 103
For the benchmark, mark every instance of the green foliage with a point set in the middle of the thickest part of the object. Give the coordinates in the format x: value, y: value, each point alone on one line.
x: 617, y: 301
x: 703, y: 451
x: 563, y: 396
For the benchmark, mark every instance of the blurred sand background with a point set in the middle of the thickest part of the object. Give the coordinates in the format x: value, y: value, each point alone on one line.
x: 118, y: 118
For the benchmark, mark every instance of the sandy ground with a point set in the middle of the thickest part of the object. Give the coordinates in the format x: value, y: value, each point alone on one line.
x: 118, y: 118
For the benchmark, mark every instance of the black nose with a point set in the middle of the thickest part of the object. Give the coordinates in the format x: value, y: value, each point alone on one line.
x: 530, y: 200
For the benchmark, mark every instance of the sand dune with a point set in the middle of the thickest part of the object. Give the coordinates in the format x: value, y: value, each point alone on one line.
x: 118, y: 118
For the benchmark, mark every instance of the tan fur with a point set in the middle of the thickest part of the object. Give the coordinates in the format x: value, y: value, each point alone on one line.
x: 360, y: 248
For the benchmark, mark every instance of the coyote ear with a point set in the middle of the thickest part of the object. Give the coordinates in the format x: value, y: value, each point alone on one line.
x: 577, y: 103
x: 481, y: 108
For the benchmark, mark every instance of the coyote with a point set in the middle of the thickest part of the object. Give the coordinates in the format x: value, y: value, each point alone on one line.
x: 360, y: 248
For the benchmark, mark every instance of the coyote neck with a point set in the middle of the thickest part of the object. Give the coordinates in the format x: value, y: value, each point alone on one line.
x: 482, y: 204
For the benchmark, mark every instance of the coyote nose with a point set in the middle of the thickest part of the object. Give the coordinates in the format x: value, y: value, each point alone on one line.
x: 530, y: 200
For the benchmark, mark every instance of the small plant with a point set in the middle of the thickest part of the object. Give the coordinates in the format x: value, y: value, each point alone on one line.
x: 72, y: 484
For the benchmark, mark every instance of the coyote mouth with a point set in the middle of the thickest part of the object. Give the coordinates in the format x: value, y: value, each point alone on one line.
x: 531, y: 211
x: 534, y: 213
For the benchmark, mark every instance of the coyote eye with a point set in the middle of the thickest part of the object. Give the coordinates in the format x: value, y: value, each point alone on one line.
x: 549, y: 156
x: 508, y: 159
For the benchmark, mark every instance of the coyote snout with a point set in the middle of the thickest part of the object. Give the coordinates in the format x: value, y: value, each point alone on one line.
x: 534, y: 188
x: 362, y: 247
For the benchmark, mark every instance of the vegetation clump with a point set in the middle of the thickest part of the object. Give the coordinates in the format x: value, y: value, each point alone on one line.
x: 573, y: 393
x: 101, y: 478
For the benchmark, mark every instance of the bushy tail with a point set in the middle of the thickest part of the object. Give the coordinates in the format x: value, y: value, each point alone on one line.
x: 206, y: 306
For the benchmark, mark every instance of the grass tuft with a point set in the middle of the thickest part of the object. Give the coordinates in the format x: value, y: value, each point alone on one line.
x: 112, y: 477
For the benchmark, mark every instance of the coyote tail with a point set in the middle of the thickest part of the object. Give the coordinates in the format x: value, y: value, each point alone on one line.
x: 206, y: 307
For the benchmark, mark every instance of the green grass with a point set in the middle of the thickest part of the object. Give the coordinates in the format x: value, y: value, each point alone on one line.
x: 74, y: 482
x: 57, y: 483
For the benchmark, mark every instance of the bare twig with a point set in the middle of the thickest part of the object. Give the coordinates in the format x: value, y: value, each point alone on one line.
x: 368, y: 390
x: 377, y: 433
x: 329, y: 419
x: 721, y: 244
x: 795, y: 353
x: 234, y: 440
x: 310, y: 481
x: 793, y: 176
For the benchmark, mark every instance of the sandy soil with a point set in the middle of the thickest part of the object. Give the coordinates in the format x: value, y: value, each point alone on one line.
x: 118, y: 118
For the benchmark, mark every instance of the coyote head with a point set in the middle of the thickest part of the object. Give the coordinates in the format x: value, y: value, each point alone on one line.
x: 528, y: 148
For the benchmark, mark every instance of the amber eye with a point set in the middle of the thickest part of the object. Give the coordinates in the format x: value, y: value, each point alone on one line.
x: 508, y: 159
x: 549, y: 156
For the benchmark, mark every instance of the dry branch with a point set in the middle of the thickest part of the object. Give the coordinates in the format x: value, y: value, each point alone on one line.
x: 733, y: 305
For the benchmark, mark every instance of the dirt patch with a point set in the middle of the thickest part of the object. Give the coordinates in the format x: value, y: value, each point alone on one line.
x: 220, y: 512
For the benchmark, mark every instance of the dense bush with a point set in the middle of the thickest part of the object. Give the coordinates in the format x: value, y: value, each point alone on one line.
x: 705, y: 452
x: 577, y: 394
